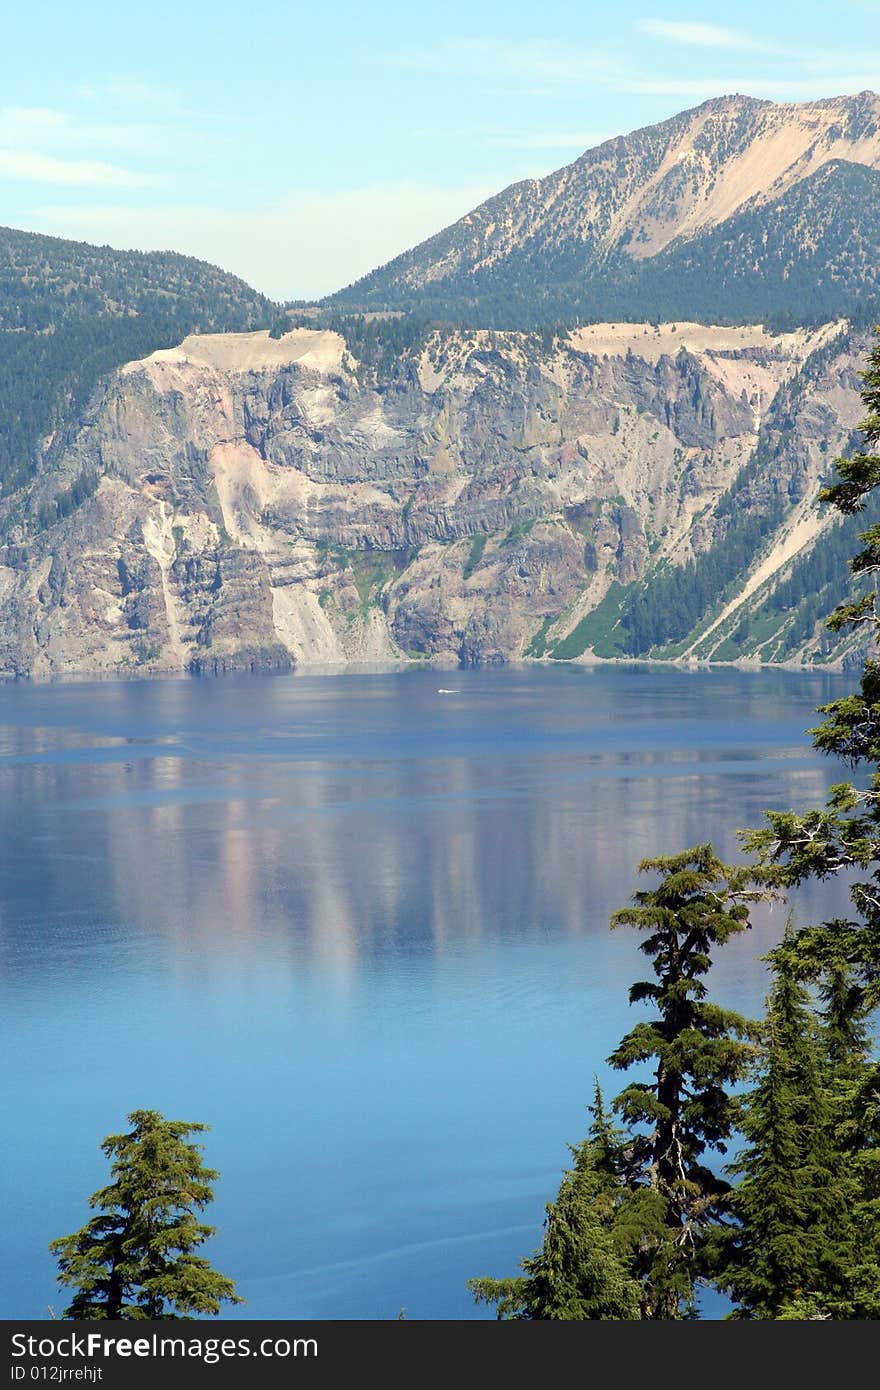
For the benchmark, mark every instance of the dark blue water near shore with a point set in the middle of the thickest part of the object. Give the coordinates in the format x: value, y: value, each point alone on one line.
x: 361, y: 929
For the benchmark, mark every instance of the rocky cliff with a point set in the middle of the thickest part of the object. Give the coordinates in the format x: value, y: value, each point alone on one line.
x: 249, y: 502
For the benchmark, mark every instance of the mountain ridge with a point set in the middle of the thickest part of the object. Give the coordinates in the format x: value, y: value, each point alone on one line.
x: 624, y: 203
x: 557, y: 464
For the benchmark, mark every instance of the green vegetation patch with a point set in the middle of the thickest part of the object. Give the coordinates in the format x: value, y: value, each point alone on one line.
x: 85, y: 486
x: 598, y: 630
x: 518, y: 531
x: 370, y: 570
x: 539, y: 643
x: 478, y: 545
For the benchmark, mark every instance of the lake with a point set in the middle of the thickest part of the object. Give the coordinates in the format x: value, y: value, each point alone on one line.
x: 360, y: 928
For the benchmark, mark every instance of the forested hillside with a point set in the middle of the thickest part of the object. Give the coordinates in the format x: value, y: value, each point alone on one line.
x: 70, y: 312
x: 811, y: 256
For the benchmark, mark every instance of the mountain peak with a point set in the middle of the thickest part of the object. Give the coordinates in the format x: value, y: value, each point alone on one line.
x: 631, y: 197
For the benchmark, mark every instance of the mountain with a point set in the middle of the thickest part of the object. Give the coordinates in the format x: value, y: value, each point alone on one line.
x: 242, y: 502
x: 628, y: 467
x: 70, y: 312
x: 739, y: 211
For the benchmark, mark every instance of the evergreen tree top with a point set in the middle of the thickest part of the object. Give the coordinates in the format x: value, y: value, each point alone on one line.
x: 137, y: 1257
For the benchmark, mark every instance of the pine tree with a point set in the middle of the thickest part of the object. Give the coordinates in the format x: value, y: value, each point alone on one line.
x: 699, y: 1051
x: 854, y: 1086
x: 804, y: 1242
x: 580, y: 1271
x: 136, y: 1259
x: 626, y: 1235
x: 779, y: 1252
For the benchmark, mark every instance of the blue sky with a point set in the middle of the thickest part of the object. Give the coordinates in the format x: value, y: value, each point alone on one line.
x: 300, y: 145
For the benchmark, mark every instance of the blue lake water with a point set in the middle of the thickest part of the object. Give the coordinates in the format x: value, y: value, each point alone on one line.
x: 361, y: 929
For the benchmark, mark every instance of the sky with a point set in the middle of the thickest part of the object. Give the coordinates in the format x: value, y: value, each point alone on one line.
x: 300, y: 145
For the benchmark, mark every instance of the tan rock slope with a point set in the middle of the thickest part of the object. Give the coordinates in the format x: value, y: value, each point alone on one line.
x: 639, y: 192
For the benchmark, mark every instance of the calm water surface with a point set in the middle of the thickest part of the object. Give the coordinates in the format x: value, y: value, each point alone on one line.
x: 361, y: 929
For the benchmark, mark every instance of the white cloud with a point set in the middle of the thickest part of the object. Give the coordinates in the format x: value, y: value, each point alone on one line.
x: 543, y: 60
x: 831, y: 62
x: 32, y: 167
x: 132, y: 93
x: 152, y: 101
x: 497, y: 137
x: 699, y: 35
x: 29, y: 124
x: 576, y: 140
x: 136, y: 93
x: 307, y: 245
x: 545, y: 66
x: 47, y: 130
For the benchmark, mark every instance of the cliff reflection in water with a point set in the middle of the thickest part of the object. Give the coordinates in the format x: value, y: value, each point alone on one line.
x: 338, y: 820
x: 359, y: 929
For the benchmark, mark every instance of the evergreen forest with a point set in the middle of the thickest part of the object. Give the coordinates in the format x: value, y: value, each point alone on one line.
x: 808, y: 258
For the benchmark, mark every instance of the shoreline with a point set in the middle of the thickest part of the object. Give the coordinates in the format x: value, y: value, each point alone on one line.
x: 361, y: 668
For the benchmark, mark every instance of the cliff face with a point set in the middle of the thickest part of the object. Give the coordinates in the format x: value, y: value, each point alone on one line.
x: 245, y: 502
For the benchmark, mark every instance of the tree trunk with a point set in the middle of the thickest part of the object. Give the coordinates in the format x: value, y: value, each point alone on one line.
x: 115, y: 1294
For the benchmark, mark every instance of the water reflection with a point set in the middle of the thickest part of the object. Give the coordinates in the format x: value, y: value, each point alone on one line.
x: 364, y: 923
x: 332, y: 847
